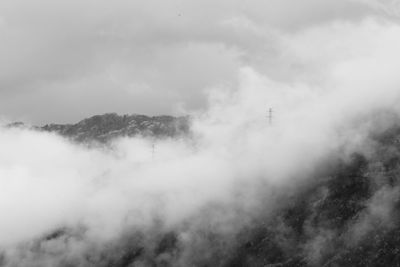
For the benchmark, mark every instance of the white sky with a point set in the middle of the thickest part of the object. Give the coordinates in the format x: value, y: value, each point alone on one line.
x: 63, y: 60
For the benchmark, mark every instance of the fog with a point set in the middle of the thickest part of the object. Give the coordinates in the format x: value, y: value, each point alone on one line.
x: 234, y: 165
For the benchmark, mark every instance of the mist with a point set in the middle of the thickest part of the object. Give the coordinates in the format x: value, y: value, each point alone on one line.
x: 62, y: 201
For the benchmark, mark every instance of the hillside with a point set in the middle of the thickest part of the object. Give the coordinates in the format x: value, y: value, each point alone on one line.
x: 346, y: 214
x: 107, y: 126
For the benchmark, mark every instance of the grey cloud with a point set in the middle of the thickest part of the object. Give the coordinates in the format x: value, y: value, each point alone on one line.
x: 176, y: 49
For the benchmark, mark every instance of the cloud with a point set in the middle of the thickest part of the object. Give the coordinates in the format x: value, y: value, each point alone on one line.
x: 50, y: 183
x: 390, y: 8
x: 50, y: 48
x: 324, y: 77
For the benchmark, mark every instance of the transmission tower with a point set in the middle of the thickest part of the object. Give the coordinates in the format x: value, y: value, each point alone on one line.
x: 269, y: 116
x: 153, y: 150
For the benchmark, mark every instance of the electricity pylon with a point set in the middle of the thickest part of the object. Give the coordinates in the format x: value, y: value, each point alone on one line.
x: 153, y: 150
x: 269, y: 116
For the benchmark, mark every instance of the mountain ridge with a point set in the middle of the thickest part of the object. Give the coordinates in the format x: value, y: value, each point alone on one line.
x: 105, y: 127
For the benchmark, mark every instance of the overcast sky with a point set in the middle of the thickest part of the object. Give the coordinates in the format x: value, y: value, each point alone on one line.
x: 64, y: 60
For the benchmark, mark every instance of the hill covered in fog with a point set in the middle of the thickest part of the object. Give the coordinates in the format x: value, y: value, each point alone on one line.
x: 346, y: 213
